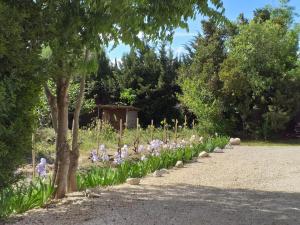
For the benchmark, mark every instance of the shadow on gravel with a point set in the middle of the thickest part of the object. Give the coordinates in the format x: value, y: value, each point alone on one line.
x: 181, y: 204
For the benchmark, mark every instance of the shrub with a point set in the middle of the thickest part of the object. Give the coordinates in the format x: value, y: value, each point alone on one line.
x: 19, y: 86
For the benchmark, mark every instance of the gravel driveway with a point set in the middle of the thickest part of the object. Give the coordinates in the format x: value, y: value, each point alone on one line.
x: 243, y: 186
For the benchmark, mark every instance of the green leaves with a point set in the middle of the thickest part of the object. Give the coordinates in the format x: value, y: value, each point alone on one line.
x: 22, y: 197
x: 199, y: 80
x: 128, y: 96
x: 244, y: 78
x: 254, y: 75
x: 212, y: 143
x: 46, y: 53
x: 19, y: 83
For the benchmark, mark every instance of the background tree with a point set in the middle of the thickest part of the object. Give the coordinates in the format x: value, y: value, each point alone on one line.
x: 258, y: 82
x: 199, y: 78
x: 152, y: 75
x: 243, y: 78
x: 103, y: 86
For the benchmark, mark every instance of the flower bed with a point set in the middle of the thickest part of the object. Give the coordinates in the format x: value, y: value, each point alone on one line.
x: 165, y: 158
x: 20, y: 198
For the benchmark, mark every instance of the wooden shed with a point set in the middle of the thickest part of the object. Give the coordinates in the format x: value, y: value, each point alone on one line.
x: 113, y: 113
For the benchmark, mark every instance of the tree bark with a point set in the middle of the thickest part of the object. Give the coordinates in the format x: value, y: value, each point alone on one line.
x: 62, y: 147
x: 74, y: 154
x: 53, y: 106
x: 52, y: 102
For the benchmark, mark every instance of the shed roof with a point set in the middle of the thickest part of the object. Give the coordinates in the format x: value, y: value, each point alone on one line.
x: 132, y: 108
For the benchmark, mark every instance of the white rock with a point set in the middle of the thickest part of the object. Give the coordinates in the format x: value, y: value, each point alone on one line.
x: 87, y: 192
x: 157, y: 173
x: 179, y: 164
x: 164, y: 171
x: 133, y: 181
x: 229, y: 146
x: 218, y: 150
x: 203, y: 154
x: 235, y: 141
x: 93, y: 195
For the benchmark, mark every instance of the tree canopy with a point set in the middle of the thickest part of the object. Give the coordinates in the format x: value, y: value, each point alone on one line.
x: 246, y: 77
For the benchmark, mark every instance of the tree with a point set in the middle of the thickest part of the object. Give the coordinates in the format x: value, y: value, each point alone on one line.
x: 82, y: 65
x: 241, y: 19
x: 260, y: 88
x: 261, y: 15
x: 78, y: 25
x: 19, y: 84
x: 199, y: 78
x: 128, y: 96
x: 152, y: 76
x: 250, y: 85
x: 103, y: 85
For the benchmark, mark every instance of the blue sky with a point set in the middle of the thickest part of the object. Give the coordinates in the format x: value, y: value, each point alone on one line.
x: 232, y: 9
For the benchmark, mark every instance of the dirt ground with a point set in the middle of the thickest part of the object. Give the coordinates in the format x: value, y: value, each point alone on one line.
x: 243, y: 186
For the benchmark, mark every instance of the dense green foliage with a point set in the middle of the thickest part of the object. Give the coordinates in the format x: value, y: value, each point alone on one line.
x: 19, y: 84
x: 244, y: 78
x: 200, y: 80
x: 258, y: 76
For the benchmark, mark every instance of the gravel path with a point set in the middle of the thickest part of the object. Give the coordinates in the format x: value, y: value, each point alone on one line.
x: 243, y: 186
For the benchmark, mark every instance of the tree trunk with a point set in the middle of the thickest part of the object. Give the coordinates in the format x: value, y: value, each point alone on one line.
x: 62, y: 146
x: 74, y: 154
x: 53, y: 106
x: 52, y: 102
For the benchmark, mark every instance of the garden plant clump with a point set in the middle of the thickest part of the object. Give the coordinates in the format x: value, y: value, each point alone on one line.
x: 22, y: 197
